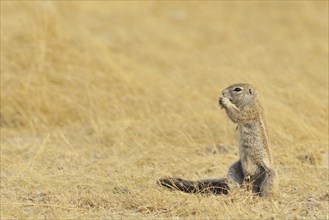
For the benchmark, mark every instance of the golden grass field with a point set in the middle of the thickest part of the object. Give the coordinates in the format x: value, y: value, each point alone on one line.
x: 101, y: 99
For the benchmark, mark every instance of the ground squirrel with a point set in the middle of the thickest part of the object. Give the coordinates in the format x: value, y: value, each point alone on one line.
x: 254, y: 169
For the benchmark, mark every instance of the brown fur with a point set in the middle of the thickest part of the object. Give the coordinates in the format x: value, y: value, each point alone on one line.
x: 254, y: 168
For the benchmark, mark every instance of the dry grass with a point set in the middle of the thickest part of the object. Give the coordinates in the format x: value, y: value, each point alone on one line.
x: 100, y: 99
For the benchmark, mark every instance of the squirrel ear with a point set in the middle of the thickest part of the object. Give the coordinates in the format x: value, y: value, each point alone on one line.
x: 250, y: 91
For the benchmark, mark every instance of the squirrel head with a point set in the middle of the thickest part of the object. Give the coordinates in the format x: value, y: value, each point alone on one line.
x: 241, y: 94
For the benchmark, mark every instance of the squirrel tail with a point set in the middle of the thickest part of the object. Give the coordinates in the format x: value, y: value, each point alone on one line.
x: 212, y: 186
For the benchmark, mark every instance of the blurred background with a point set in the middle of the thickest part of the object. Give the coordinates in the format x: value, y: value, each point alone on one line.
x: 99, y: 99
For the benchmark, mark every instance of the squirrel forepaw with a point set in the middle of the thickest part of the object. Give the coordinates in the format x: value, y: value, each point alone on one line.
x: 223, y: 101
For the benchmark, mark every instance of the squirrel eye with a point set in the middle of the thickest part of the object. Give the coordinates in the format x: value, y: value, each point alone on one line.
x: 237, y: 89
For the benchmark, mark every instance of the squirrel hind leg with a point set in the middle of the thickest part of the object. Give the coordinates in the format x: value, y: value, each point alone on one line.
x: 268, y: 185
x: 235, y: 175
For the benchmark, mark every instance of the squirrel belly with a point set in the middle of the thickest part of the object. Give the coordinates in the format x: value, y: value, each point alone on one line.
x: 254, y: 167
